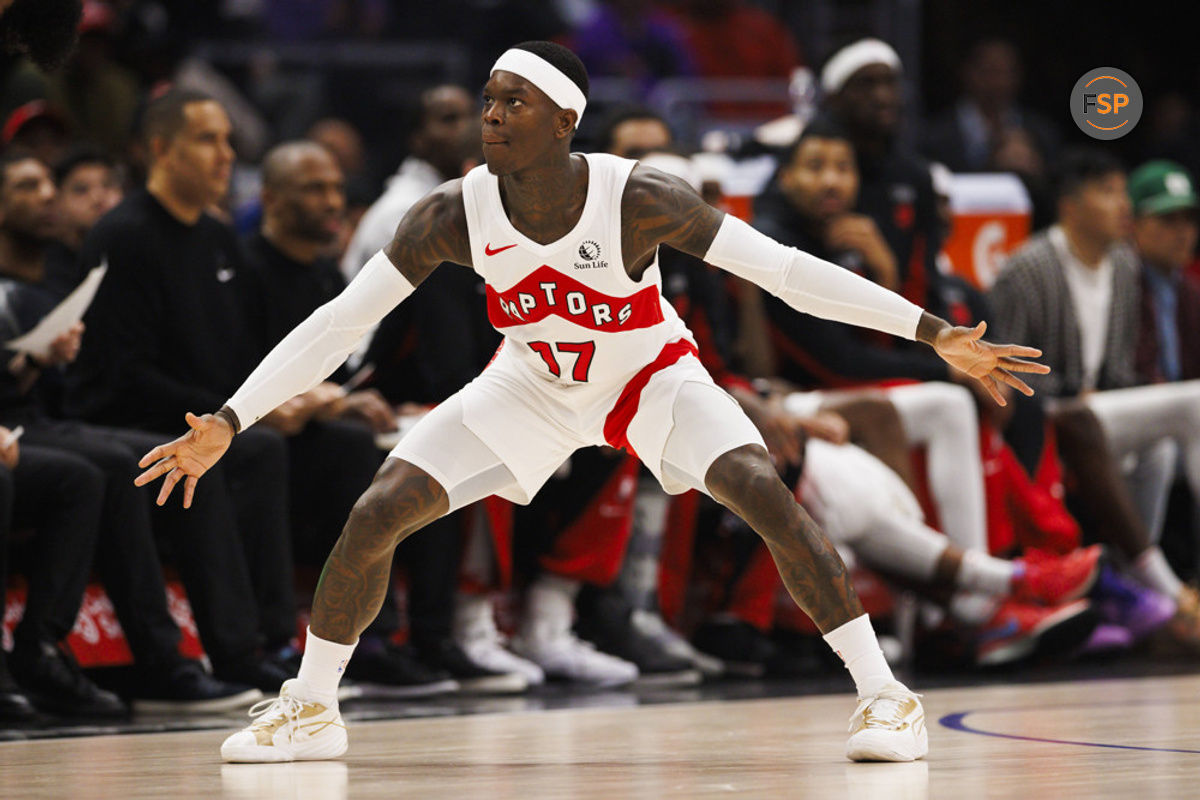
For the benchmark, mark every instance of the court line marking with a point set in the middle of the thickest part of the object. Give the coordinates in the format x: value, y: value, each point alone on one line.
x: 956, y: 722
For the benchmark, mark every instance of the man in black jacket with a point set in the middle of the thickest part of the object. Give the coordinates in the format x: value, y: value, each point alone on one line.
x: 170, y: 328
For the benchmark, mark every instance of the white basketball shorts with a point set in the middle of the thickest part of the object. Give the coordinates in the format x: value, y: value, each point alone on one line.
x: 508, y: 431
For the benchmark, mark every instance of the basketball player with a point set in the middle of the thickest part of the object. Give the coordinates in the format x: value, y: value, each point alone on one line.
x: 568, y: 244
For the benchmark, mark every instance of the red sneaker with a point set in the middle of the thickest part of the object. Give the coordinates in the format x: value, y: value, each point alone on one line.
x: 1054, y: 580
x: 1018, y: 630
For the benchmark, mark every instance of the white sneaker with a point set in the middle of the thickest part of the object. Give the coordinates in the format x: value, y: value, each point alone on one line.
x: 475, y: 632
x: 288, y: 728
x: 653, y: 626
x: 567, y: 657
x: 888, y: 726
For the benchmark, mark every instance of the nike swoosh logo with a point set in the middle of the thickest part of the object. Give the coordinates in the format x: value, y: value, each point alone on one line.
x: 487, y: 249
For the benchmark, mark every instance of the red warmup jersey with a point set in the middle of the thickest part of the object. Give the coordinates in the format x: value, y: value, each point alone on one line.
x: 568, y: 310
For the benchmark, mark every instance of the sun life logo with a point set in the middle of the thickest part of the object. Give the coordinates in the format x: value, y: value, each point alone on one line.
x: 589, y: 251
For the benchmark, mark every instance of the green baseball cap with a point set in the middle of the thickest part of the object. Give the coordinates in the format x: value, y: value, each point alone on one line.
x: 1160, y: 187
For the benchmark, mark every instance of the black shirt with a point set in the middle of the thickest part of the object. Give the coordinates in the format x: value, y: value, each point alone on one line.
x: 436, y: 341
x: 172, y: 327
x: 815, y: 353
x: 290, y: 290
x: 63, y: 270
x: 22, y: 306
x: 896, y: 190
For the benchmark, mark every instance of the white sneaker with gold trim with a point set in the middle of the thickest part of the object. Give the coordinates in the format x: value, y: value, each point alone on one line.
x: 888, y: 726
x: 288, y: 728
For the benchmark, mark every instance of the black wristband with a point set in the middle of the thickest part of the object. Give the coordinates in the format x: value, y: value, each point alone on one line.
x: 229, y: 416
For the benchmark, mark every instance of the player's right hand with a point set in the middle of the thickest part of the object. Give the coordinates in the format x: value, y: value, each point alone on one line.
x: 188, y: 457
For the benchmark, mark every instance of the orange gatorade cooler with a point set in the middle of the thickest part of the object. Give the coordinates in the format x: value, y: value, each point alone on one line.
x: 991, y: 215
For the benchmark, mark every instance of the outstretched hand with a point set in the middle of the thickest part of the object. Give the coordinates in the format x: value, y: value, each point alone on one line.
x: 990, y: 364
x: 188, y: 457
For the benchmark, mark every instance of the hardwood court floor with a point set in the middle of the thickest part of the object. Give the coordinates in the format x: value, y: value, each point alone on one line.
x: 1136, y: 737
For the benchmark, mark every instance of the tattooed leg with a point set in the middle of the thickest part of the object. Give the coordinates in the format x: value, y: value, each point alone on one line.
x: 745, y: 482
x: 400, y: 501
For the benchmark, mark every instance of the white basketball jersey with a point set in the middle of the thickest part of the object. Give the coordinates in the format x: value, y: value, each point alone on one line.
x: 568, y: 310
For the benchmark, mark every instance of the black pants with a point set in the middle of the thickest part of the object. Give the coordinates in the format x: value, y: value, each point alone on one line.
x: 60, y: 496
x: 231, y: 548
x: 332, y: 464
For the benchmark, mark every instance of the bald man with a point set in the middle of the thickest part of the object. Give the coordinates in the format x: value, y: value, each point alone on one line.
x: 303, y: 203
x: 331, y: 437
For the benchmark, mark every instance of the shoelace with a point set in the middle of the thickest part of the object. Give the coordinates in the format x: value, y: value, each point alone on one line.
x: 265, y: 712
x: 885, y: 707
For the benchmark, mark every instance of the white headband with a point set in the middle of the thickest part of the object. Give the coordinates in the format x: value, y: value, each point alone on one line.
x: 545, y: 76
x: 851, y: 58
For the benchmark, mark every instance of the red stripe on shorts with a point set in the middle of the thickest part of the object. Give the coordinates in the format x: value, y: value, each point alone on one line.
x: 616, y: 424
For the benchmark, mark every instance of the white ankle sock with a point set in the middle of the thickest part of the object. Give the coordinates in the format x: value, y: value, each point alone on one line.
x: 323, y: 665
x: 982, y: 573
x: 858, y: 648
x: 1152, y: 569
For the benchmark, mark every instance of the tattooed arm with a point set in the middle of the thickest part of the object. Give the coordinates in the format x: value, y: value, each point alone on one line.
x: 433, y: 231
x: 660, y: 209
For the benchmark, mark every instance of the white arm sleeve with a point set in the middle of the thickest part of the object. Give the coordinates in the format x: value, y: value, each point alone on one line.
x: 317, y: 346
x: 810, y: 284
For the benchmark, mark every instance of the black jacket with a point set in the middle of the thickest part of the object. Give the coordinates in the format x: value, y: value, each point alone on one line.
x: 172, y: 327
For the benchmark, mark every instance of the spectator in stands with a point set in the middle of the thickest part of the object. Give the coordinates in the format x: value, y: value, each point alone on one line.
x: 169, y: 332
x: 37, y: 127
x: 344, y: 140
x: 968, y: 137
x: 126, y: 556
x: 59, y: 496
x: 45, y: 30
x: 1169, y: 129
x: 89, y: 186
x: 1165, y: 231
x: 446, y: 136
x: 1072, y: 291
x: 633, y: 40
x: 634, y: 131
x: 736, y: 39
x: 98, y: 94
x: 988, y: 130
x: 333, y: 451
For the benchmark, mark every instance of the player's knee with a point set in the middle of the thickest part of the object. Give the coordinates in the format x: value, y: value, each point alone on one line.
x: 745, y: 480
x: 402, y: 499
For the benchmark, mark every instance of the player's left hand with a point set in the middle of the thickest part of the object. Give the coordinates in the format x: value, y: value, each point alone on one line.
x: 992, y: 365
